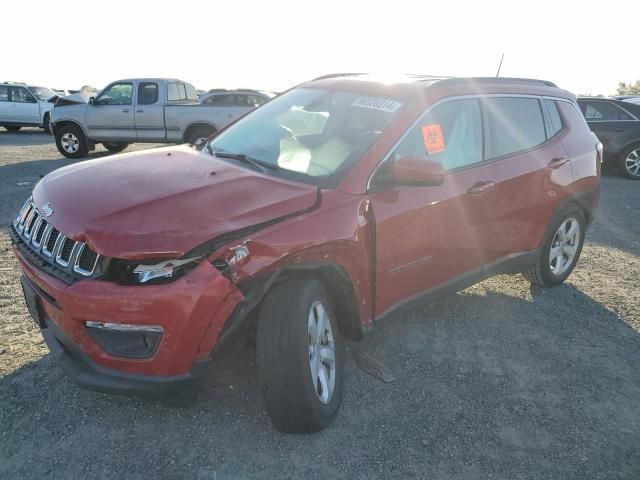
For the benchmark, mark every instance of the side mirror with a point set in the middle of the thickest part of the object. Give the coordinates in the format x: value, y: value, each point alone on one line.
x: 92, y: 100
x: 418, y: 172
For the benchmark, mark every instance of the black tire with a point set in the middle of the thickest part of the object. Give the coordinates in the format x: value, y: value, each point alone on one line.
x: 46, y: 123
x: 195, y: 134
x: 75, y: 132
x: 541, y: 273
x: 115, y: 147
x: 283, y: 358
x: 622, y: 165
x: 12, y: 128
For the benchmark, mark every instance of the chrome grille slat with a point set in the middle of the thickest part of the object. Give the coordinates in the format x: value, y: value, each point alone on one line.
x: 53, y: 246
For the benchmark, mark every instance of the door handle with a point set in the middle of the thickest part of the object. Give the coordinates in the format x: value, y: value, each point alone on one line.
x: 479, y: 188
x: 557, y: 162
x: 139, y: 111
x: 125, y: 110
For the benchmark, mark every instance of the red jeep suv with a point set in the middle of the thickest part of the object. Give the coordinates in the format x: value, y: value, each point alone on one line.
x: 310, y: 220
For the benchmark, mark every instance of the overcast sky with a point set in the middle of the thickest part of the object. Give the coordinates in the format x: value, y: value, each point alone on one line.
x: 585, y: 47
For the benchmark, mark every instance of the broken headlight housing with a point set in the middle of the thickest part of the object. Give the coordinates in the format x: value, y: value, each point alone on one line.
x: 153, y: 273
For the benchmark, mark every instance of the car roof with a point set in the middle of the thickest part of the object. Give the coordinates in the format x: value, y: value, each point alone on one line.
x: 407, y: 85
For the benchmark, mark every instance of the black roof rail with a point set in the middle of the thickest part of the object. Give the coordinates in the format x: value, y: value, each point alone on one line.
x: 503, y: 79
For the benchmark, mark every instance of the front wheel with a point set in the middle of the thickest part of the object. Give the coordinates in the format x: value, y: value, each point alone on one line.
x: 299, y: 357
x: 630, y: 165
x: 561, y: 249
x: 115, y: 147
x: 71, y: 141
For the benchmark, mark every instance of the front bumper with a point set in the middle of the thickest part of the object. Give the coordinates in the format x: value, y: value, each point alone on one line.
x: 86, y: 373
x: 191, y: 310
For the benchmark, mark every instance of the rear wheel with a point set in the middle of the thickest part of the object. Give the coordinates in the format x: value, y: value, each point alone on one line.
x: 12, y: 128
x: 561, y: 249
x: 71, y: 141
x: 198, y: 135
x: 630, y: 164
x: 299, y: 357
x: 115, y: 147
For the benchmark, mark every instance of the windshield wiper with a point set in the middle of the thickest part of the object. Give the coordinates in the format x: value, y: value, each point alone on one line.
x: 254, y: 163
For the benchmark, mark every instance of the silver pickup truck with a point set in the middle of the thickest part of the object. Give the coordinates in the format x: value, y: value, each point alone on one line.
x: 153, y: 110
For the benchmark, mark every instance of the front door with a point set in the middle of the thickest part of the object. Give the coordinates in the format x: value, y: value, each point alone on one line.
x: 24, y: 107
x: 427, y: 237
x: 111, y: 116
x: 149, y: 113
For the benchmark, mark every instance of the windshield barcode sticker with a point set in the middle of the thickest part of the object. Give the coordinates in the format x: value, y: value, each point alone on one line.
x: 375, y: 103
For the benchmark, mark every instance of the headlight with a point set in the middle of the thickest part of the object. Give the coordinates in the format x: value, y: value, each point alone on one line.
x: 164, y: 269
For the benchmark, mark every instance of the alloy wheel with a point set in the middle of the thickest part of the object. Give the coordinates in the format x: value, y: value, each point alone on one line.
x: 632, y: 163
x: 564, y: 246
x: 322, y: 354
x: 70, y: 142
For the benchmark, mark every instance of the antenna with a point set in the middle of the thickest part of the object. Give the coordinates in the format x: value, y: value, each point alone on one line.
x: 500, y: 66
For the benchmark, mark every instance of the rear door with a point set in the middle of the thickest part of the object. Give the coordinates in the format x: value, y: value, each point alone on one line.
x: 111, y: 115
x: 428, y: 236
x: 24, y: 106
x: 149, y: 113
x: 611, y: 124
x: 533, y: 169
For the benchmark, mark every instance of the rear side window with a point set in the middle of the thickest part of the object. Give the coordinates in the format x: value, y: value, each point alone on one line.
x: 147, y: 93
x: 554, y: 118
x: 604, y: 111
x: 4, y: 93
x: 514, y: 124
x: 450, y: 133
x: 178, y: 91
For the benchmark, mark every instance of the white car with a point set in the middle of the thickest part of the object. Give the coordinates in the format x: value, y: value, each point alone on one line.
x: 24, y: 105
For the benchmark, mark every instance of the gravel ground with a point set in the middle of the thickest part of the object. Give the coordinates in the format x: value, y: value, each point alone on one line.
x: 499, y: 381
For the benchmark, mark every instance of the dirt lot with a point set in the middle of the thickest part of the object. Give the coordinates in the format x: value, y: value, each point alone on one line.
x: 499, y: 381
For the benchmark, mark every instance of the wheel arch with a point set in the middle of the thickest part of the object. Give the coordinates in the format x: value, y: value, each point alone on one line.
x: 193, y: 125
x: 587, y: 200
x: 338, y: 285
x: 62, y: 123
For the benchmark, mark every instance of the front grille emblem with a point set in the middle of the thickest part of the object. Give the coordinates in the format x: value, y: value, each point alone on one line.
x: 47, y: 209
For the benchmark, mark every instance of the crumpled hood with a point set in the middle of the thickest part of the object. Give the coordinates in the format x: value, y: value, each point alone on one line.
x: 163, y: 202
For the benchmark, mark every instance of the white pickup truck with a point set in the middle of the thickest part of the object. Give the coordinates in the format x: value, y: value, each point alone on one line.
x: 153, y: 110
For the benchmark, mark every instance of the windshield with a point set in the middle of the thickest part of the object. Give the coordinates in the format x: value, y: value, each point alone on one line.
x: 43, y: 93
x: 309, y: 131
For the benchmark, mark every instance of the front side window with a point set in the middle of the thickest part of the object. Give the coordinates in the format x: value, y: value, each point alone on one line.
x: 21, y: 94
x: 116, y: 94
x: 515, y: 124
x: 308, y: 131
x: 147, y: 93
x: 450, y: 134
x: 604, y: 111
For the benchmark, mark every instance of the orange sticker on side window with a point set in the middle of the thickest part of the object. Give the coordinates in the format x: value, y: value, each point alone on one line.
x: 433, y: 139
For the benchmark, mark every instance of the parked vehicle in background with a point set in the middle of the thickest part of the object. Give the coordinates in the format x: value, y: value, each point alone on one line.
x: 243, y: 98
x: 634, y: 100
x: 312, y: 219
x: 24, y: 105
x: 617, y: 124
x: 153, y: 110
